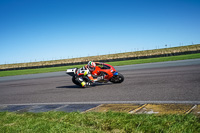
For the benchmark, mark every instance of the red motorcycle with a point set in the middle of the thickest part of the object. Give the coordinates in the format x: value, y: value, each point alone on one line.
x: 107, y: 71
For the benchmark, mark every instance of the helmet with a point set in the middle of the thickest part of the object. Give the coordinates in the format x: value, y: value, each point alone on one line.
x: 91, y: 66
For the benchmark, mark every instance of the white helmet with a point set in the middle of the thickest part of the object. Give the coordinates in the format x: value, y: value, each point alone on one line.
x: 91, y: 66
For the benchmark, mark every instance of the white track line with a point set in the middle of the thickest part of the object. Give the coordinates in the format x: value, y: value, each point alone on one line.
x: 113, y: 102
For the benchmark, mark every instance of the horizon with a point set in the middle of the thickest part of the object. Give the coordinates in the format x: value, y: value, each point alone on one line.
x: 99, y: 55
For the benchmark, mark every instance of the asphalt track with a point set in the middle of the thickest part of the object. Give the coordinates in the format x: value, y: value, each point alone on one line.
x: 166, y: 82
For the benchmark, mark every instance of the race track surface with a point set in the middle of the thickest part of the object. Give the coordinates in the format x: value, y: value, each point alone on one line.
x: 175, y: 81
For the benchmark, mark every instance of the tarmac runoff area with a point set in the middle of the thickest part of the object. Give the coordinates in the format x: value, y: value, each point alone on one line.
x: 166, y: 108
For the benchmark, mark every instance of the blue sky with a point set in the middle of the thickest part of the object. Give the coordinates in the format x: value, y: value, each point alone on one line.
x: 37, y: 30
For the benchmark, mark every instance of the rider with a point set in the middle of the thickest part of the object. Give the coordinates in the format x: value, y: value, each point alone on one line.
x: 91, y: 72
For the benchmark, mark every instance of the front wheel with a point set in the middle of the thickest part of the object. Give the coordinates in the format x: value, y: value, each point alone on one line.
x: 117, y: 78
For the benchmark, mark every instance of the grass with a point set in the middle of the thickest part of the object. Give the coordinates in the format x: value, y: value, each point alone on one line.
x: 159, y: 59
x: 135, y: 54
x: 52, y: 122
x: 35, y: 71
x: 116, y: 63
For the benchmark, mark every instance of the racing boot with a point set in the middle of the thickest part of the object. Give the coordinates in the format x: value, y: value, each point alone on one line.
x: 83, y: 84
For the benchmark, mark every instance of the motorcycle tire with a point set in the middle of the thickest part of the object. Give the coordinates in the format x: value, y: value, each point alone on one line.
x: 86, y: 79
x: 75, y: 81
x: 117, y: 79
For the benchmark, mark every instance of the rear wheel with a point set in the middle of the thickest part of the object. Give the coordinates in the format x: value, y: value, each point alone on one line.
x: 117, y: 78
x: 75, y: 81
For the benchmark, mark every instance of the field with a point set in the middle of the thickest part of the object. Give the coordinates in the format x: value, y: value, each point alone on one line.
x: 110, y: 57
x: 115, y: 63
x: 52, y: 122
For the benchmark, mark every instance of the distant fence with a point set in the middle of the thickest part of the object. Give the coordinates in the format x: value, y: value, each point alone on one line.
x: 104, y: 60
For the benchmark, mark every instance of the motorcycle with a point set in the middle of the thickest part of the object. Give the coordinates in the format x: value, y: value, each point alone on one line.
x: 107, y: 71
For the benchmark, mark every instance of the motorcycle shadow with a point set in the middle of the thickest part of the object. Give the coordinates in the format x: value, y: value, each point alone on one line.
x: 70, y: 87
x: 78, y: 87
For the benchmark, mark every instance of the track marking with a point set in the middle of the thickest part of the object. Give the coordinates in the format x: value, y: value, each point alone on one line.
x: 190, y: 110
x: 93, y: 108
x: 136, y: 110
x: 113, y: 102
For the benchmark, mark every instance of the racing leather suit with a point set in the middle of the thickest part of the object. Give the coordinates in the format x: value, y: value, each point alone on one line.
x: 93, y: 76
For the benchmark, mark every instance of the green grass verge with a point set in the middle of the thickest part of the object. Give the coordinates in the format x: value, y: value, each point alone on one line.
x: 159, y: 59
x: 53, y: 122
x: 116, y: 63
